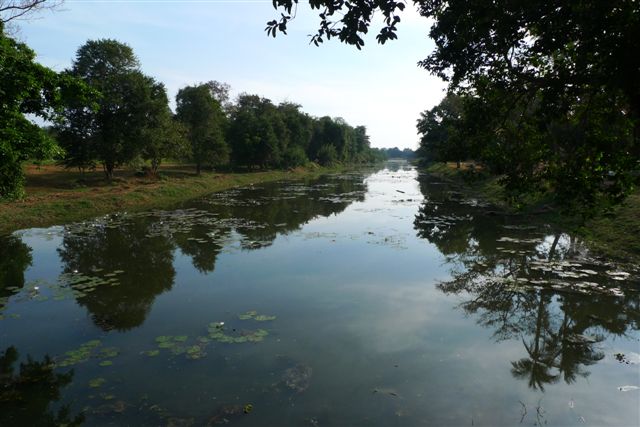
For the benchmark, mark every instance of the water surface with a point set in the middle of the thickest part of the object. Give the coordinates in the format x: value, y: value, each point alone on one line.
x: 371, y: 298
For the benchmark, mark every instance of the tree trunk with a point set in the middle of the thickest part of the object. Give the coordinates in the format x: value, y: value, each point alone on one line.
x: 108, y: 170
x: 198, y: 168
x: 552, y: 251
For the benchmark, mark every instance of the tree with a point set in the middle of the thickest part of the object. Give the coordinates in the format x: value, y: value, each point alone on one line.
x: 27, y: 88
x: 166, y: 137
x: 257, y: 133
x: 163, y: 136
x: 114, y: 132
x: 442, y: 131
x: 561, y: 56
x: 299, y: 130
x: 205, y: 122
x: 221, y: 92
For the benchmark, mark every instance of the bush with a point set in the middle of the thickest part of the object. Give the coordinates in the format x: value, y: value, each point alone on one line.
x: 327, y: 155
x: 294, y: 157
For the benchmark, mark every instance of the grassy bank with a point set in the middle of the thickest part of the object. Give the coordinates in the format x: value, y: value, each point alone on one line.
x: 56, y: 196
x: 615, y: 234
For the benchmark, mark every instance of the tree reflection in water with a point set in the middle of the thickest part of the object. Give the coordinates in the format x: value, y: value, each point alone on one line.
x: 15, y: 258
x: 525, y: 281
x: 26, y: 396
x: 142, y: 246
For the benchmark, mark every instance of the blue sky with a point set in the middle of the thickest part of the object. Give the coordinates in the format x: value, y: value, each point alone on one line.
x: 185, y: 42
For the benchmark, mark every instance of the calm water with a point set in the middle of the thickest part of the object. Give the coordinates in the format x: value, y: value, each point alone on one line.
x: 375, y: 298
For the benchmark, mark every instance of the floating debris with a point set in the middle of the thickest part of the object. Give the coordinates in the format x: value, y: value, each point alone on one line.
x: 225, y: 412
x: 628, y: 359
x: 628, y: 388
x: 387, y: 391
x: 297, y: 378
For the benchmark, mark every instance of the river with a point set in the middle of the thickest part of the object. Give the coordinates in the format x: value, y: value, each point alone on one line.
x: 369, y: 298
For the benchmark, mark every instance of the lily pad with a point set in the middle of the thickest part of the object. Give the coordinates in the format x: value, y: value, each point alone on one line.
x: 106, y: 363
x: 96, y: 382
x: 248, y: 315
x: 166, y: 344
x: 109, y: 352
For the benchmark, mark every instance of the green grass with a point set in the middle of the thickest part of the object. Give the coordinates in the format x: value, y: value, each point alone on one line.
x: 56, y: 205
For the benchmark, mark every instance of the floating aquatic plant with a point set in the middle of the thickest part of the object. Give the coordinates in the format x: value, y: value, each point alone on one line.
x: 255, y: 316
x: 86, y: 351
x: 96, y: 382
x: 218, y: 334
x: 248, y: 315
x: 108, y: 352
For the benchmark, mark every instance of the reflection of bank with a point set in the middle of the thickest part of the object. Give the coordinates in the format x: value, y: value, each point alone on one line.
x: 15, y: 258
x: 141, y: 246
x: 146, y: 262
x: 27, y: 393
x: 527, y: 285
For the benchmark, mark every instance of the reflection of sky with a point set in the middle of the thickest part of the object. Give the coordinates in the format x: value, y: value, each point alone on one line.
x: 356, y: 300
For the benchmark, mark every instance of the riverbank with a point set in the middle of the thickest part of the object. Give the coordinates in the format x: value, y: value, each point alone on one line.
x: 56, y: 196
x: 615, y: 235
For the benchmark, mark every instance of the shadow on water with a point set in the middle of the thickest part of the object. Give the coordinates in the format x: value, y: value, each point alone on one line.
x: 527, y: 281
x: 27, y: 392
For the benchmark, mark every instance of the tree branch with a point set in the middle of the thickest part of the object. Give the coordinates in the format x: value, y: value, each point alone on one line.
x: 18, y: 9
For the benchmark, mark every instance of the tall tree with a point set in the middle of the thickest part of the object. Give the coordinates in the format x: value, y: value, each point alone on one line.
x: 26, y: 88
x: 221, y: 92
x: 441, y: 129
x: 114, y: 132
x: 298, y: 136
x: 205, y: 121
x: 258, y: 134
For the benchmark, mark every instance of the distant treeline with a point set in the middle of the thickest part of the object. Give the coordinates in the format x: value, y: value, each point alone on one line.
x: 396, y: 153
x: 106, y: 112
